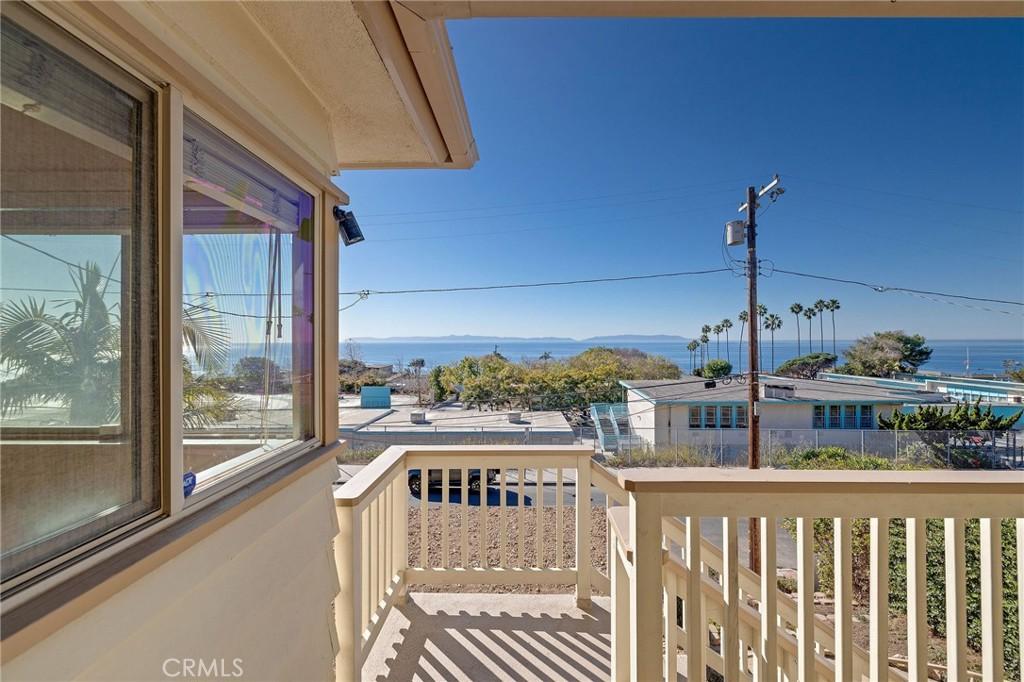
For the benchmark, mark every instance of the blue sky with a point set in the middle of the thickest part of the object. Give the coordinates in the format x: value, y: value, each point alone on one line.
x: 613, y: 147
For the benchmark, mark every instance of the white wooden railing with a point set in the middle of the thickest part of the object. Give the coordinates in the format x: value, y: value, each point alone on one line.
x: 371, y: 550
x: 741, y: 626
x: 657, y: 560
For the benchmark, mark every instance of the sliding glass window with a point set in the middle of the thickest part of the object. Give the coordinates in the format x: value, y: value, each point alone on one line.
x: 79, y: 417
x: 247, y: 307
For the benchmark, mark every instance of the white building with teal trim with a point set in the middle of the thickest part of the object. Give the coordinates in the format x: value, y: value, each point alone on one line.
x: 688, y: 410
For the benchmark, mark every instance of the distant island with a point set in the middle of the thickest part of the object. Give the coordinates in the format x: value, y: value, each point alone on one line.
x: 468, y: 338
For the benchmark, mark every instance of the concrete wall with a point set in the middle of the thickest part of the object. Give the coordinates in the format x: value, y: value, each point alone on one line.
x: 259, y: 589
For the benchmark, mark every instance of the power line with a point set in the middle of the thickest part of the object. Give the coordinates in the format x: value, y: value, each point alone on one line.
x: 880, y: 288
x: 530, y: 285
x: 670, y: 214
x: 543, y: 212
x: 55, y: 257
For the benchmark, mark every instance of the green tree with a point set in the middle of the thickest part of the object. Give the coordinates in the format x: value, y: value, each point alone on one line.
x: 437, y: 384
x: 885, y: 353
x: 796, y: 309
x: 704, y: 345
x: 717, y: 329
x: 773, y: 323
x: 806, y: 366
x: 1014, y: 370
x: 716, y: 368
x: 762, y: 311
x: 73, y: 357
x: 257, y: 374
x: 692, y: 347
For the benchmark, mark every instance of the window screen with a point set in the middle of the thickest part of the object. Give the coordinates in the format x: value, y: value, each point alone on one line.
x: 247, y: 311
x: 79, y: 418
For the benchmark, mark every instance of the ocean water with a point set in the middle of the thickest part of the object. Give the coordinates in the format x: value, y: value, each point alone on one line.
x: 986, y: 357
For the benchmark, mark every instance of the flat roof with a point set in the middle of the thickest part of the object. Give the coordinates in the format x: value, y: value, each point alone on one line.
x: 691, y: 390
x: 459, y: 419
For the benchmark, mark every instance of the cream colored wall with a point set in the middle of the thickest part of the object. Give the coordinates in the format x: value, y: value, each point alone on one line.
x: 259, y: 589
x: 784, y: 416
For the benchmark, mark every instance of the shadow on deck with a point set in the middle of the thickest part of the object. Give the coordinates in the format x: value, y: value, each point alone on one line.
x: 445, y: 636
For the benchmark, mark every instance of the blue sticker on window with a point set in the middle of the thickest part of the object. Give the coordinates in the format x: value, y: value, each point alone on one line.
x: 190, y: 483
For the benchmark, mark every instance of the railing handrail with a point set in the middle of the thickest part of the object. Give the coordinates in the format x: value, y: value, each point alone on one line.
x: 790, y: 481
x: 385, y: 465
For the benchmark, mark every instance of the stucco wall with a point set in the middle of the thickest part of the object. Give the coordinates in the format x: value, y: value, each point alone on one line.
x: 259, y: 589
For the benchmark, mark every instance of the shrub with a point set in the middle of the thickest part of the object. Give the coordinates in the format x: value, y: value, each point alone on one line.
x: 716, y: 368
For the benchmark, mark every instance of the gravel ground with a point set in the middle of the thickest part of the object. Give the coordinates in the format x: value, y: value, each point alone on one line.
x: 598, y: 523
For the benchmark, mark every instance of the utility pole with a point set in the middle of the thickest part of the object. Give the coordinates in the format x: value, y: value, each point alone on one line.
x: 753, y: 418
x: 733, y: 238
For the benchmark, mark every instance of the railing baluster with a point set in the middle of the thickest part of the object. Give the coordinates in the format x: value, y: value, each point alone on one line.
x: 805, y: 598
x: 671, y: 663
x: 584, y: 541
x: 521, y: 512
x: 374, y: 556
x: 400, y: 546
x: 388, y: 535
x: 424, y: 519
x: 843, y: 563
x: 730, y: 598
x: 991, y: 600
x: 464, y: 516
x: 917, y: 605
x: 348, y: 607
x: 484, y: 562
x: 956, y: 600
x: 769, y: 591
x: 538, y: 502
x: 364, y: 551
x: 696, y: 625
x: 879, y: 600
x: 559, y: 521
x: 503, y: 522
x: 445, y: 482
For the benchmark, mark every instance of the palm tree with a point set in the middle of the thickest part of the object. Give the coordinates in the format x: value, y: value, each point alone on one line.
x: 762, y: 310
x: 809, y: 313
x: 692, y: 347
x: 832, y: 305
x: 743, y: 317
x: 819, y: 305
x: 726, y: 325
x: 704, y: 340
x: 545, y: 357
x: 717, y: 329
x: 773, y: 323
x: 74, y: 358
x: 796, y: 309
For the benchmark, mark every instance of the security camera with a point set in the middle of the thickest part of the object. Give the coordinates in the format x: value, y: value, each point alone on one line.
x: 348, y: 226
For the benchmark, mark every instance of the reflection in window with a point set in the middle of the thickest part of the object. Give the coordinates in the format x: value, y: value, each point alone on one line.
x: 710, y: 417
x: 78, y: 326
x: 247, y: 306
x: 694, y: 416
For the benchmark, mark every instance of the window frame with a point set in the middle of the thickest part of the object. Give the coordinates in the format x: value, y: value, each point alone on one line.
x: 695, y: 410
x: 723, y: 422
x: 105, y: 45
x: 711, y: 410
x: 866, y: 411
x: 818, y: 420
x: 740, y: 416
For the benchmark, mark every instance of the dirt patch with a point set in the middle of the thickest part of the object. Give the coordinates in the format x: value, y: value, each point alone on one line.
x: 493, y: 549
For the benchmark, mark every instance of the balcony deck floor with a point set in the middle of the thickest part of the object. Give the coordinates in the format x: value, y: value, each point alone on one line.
x: 447, y: 636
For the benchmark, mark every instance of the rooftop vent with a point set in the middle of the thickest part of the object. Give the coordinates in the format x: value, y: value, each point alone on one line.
x: 780, y: 391
x: 514, y: 417
x: 418, y: 417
